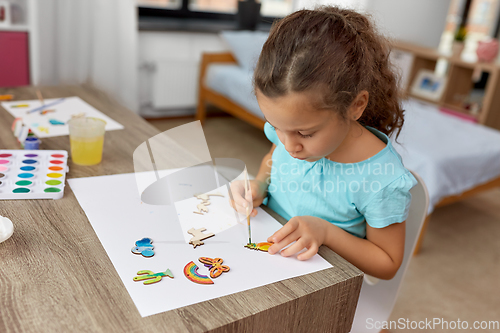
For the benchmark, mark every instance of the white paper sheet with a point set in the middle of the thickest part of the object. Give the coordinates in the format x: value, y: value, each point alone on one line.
x: 40, y: 124
x: 119, y: 219
x: 221, y: 216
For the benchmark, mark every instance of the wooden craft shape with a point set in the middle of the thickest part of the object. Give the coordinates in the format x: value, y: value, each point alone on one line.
x: 205, y: 198
x: 152, y: 277
x: 214, y: 265
x: 202, y: 208
x: 264, y: 246
x: 198, y: 236
x: 191, y: 272
x: 144, y: 247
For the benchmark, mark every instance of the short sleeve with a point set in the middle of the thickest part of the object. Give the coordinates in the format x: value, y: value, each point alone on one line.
x: 391, y: 204
x: 271, y: 133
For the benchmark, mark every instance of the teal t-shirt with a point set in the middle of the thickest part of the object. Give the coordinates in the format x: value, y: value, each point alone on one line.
x: 374, y: 191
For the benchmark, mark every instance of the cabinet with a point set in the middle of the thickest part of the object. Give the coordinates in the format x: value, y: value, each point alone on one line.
x: 459, y: 83
x: 14, y: 59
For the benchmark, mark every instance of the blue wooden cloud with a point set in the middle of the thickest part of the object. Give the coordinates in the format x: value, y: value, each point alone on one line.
x: 144, y: 247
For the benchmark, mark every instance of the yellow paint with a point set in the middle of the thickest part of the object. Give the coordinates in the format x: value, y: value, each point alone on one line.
x: 87, y: 151
x: 54, y: 175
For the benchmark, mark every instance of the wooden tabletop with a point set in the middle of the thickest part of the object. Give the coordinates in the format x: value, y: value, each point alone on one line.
x: 55, y: 275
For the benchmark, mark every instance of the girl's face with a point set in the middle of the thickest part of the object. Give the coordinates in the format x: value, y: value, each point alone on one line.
x: 308, y: 133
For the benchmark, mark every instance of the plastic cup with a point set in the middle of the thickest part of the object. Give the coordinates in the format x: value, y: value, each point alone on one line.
x: 86, y: 136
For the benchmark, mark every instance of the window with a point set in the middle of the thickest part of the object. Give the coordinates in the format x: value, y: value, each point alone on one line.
x: 217, y: 6
x: 211, y: 9
x: 162, y: 4
x: 276, y: 8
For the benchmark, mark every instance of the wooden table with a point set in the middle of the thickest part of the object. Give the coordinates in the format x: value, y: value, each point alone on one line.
x: 55, y: 274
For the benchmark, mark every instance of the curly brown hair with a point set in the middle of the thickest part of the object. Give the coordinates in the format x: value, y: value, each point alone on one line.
x: 337, y: 51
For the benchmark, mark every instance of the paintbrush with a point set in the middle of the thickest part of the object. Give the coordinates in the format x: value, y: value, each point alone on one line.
x: 40, y: 108
x: 248, y: 208
x: 40, y: 97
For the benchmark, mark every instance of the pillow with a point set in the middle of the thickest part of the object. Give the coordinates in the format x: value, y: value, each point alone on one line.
x: 245, y: 46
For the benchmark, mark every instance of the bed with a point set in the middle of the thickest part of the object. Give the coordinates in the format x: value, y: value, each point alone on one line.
x: 455, y: 158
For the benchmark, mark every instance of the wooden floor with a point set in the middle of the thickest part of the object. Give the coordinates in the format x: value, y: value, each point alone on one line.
x: 456, y: 274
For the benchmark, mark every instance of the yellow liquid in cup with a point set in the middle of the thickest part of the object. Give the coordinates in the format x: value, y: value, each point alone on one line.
x: 86, y: 151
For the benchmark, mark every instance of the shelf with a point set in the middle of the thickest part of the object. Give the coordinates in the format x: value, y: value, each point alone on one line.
x: 433, y: 55
x: 460, y: 83
x: 461, y: 110
x: 422, y: 98
x: 15, y: 28
x: 483, y: 66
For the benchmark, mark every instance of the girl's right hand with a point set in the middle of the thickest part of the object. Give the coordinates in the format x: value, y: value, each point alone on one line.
x: 256, y: 195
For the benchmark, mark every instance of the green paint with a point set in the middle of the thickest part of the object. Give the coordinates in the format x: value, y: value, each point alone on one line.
x: 21, y: 190
x: 53, y: 182
x: 24, y: 183
x: 52, y: 189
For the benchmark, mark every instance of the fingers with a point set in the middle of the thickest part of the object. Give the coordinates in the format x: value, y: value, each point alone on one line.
x: 283, y: 243
x: 292, y: 249
x: 239, y: 208
x: 313, y: 249
x: 238, y: 192
x: 239, y: 202
x: 295, y: 230
x: 289, y: 227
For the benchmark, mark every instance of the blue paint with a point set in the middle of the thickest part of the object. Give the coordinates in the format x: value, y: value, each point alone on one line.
x: 29, y: 161
x: 25, y: 175
x: 32, y: 143
x: 55, y: 122
x: 144, y: 247
x: 28, y: 168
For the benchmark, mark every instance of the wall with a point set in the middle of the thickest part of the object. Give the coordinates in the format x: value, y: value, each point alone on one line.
x: 311, y: 4
x: 92, y: 41
x: 169, y: 68
x: 419, y: 22
x: 416, y: 21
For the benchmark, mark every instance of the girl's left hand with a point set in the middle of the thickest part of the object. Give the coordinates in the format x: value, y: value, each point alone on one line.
x: 306, y: 231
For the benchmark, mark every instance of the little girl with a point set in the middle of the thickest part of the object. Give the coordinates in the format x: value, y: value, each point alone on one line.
x: 325, y: 86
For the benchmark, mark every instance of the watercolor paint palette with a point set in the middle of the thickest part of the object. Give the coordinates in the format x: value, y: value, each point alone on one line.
x: 32, y: 174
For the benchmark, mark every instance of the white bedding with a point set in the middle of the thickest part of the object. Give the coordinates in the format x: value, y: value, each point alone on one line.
x: 450, y: 154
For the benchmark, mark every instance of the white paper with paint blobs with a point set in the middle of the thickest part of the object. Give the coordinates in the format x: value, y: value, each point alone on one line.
x: 59, y: 112
x: 32, y: 174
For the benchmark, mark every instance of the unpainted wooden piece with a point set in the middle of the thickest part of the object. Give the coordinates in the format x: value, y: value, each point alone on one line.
x: 205, y: 198
x: 198, y: 236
